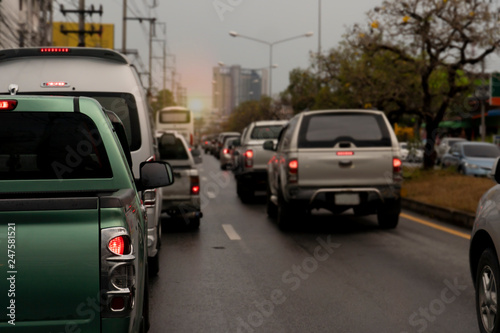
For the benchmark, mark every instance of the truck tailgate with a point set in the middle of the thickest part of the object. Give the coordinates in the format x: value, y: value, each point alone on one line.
x: 53, y: 267
x: 182, y: 183
x: 323, y: 167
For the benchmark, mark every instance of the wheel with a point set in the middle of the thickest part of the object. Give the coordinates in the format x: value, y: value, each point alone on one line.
x: 194, y: 223
x: 487, y: 279
x: 244, y: 191
x: 388, y: 214
x: 271, y: 209
x: 154, y: 264
x: 287, y: 216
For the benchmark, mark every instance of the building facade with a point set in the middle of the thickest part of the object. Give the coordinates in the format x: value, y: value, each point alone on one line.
x: 25, y: 23
x: 233, y: 85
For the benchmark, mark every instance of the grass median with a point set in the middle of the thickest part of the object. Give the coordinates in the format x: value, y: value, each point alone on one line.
x: 445, y: 188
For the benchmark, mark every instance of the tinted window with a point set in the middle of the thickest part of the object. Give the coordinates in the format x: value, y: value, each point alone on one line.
x: 172, y: 149
x: 481, y: 151
x: 326, y: 130
x: 35, y: 145
x: 266, y: 132
x: 175, y: 117
x: 125, y: 107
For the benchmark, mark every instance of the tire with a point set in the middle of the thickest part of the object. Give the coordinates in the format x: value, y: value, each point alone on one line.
x: 271, y: 209
x: 154, y: 264
x: 388, y: 214
x: 194, y: 223
x: 487, y: 279
x: 244, y: 191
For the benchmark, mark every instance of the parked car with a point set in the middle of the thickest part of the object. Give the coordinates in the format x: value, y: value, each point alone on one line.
x: 335, y: 159
x: 226, y: 155
x: 444, y: 146
x: 471, y: 158
x: 110, y: 78
x: 220, y: 141
x: 76, y: 224
x: 411, y: 152
x: 483, y: 256
x: 250, y: 166
x: 182, y: 199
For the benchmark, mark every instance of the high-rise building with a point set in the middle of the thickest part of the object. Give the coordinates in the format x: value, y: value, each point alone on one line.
x: 233, y: 85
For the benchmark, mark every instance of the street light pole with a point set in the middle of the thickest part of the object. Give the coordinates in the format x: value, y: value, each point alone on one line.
x: 270, y: 44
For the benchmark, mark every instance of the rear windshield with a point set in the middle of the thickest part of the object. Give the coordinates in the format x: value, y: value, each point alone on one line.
x: 124, y: 106
x: 481, y: 151
x: 175, y: 117
x: 326, y: 130
x: 266, y: 132
x: 36, y: 145
x: 172, y: 148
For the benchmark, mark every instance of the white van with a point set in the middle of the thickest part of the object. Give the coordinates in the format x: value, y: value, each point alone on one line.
x: 176, y: 118
x: 105, y: 75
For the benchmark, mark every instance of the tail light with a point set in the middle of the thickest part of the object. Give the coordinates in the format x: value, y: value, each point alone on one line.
x: 123, y: 276
x: 248, y: 158
x: 119, y: 245
x: 195, y: 185
x: 293, y: 171
x: 191, y: 139
x: 225, y: 151
x: 8, y: 105
x: 397, y: 167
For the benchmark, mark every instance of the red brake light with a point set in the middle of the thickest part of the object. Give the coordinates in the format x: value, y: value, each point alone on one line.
x: 8, y: 105
x: 195, y: 184
x: 118, y: 245
x: 345, y: 153
x: 293, y: 166
x: 225, y: 151
x: 396, y: 165
x: 195, y: 189
x: 249, y: 154
x: 55, y: 84
x: 54, y: 50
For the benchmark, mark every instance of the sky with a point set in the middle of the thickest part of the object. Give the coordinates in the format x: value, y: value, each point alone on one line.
x: 197, y: 34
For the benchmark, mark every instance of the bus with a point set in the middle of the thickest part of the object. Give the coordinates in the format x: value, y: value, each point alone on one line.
x: 176, y: 118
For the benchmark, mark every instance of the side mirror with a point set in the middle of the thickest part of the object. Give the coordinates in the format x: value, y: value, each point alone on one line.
x: 268, y: 145
x: 495, y: 171
x: 154, y: 174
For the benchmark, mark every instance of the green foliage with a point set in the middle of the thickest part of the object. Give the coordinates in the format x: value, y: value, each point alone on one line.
x: 250, y: 111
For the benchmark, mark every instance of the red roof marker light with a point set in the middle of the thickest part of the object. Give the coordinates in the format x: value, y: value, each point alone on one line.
x: 54, y: 50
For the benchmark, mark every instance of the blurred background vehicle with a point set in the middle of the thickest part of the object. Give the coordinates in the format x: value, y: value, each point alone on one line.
x: 444, y: 147
x: 182, y: 199
x: 176, y: 118
x: 220, y: 141
x: 471, y: 158
x: 226, y: 155
x: 411, y: 152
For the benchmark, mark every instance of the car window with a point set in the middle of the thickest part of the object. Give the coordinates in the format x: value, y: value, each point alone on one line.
x: 481, y: 151
x: 287, y: 135
x: 266, y: 132
x: 36, y: 145
x: 326, y: 130
x: 172, y: 149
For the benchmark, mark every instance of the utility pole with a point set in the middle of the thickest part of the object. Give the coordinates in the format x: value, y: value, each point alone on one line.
x: 124, y: 28
x: 151, y: 21
x: 81, y: 21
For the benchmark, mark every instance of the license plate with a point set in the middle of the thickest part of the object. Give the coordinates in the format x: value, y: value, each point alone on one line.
x: 347, y: 199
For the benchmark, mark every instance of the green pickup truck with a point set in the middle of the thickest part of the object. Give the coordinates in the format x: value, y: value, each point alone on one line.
x: 73, y: 231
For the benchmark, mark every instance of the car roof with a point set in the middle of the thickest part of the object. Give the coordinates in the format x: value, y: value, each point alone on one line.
x: 363, y: 111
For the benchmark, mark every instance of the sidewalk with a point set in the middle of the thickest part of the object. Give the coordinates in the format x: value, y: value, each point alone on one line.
x: 455, y: 217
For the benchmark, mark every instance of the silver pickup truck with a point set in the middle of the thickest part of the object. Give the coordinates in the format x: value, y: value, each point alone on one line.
x: 251, y: 159
x: 182, y: 199
x: 337, y: 160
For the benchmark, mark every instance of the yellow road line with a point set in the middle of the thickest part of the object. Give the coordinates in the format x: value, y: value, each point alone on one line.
x: 435, y: 226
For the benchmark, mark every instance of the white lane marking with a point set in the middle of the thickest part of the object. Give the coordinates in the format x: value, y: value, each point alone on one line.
x: 230, y: 232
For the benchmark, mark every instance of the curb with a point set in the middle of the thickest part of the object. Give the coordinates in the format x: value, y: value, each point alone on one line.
x: 455, y: 217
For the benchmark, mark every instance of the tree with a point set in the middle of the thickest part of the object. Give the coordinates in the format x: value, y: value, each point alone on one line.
x: 440, y: 39
x: 249, y: 111
x: 163, y: 99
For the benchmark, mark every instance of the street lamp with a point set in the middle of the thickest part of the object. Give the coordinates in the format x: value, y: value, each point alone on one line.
x: 270, y: 44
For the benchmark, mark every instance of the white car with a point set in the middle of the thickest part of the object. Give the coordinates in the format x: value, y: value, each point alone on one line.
x: 483, y: 256
x: 411, y: 152
x: 444, y: 147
